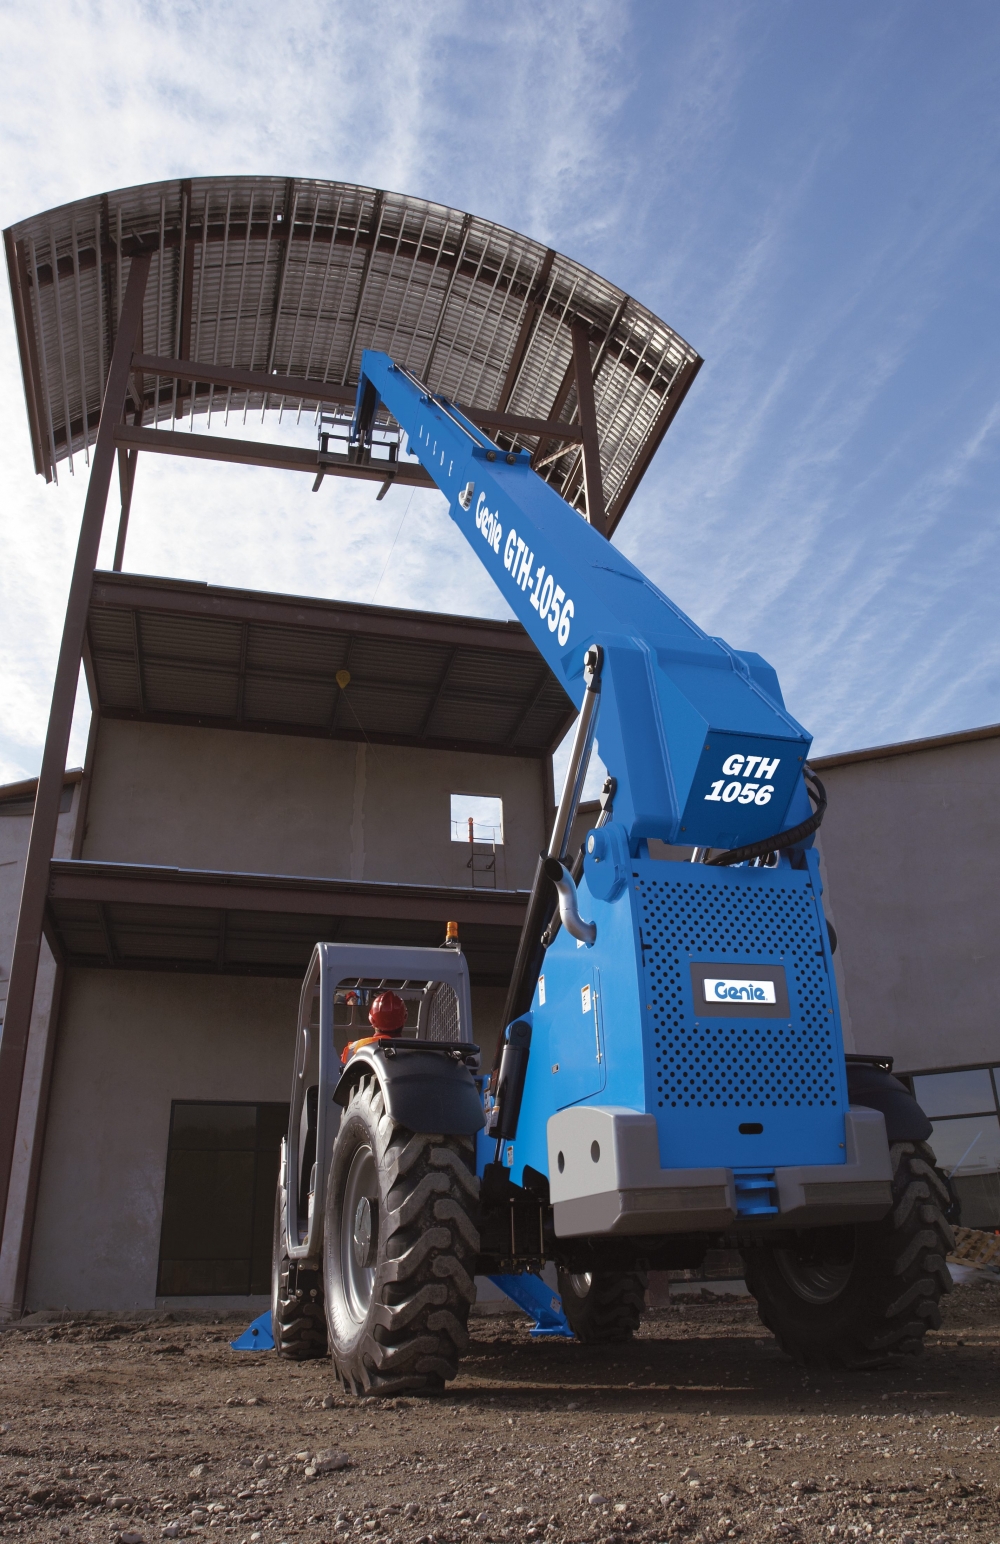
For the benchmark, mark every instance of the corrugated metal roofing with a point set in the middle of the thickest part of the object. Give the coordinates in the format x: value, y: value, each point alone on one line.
x: 194, y: 653
x: 297, y: 276
x: 130, y: 917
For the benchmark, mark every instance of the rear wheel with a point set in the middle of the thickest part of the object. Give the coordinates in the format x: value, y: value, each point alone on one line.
x: 401, y: 1238
x: 603, y: 1306
x: 851, y: 1294
x: 297, y: 1322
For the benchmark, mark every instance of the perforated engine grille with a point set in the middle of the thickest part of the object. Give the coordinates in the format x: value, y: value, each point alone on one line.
x: 734, y: 1063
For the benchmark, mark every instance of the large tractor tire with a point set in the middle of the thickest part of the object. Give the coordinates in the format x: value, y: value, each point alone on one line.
x: 852, y: 1295
x: 603, y: 1307
x: 297, y: 1322
x: 401, y: 1238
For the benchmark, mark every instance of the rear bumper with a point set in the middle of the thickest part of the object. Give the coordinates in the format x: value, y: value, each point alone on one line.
x: 605, y: 1178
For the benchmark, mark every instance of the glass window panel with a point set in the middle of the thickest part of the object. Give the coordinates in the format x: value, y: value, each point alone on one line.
x: 954, y: 1093
x: 968, y: 1146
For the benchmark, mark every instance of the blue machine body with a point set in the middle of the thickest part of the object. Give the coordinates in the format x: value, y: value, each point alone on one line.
x: 655, y: 1016
x: 623, y: 1023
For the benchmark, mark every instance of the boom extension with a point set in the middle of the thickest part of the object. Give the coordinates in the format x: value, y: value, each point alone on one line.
x: 695, y: 732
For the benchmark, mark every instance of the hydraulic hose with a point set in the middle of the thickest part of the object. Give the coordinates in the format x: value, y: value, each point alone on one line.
x: 783, y: 838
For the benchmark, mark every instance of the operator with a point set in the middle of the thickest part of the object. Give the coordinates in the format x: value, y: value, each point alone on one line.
x: 387, y: 1015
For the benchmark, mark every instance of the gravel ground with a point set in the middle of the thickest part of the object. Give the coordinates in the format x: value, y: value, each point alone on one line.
x: 698, y: 1431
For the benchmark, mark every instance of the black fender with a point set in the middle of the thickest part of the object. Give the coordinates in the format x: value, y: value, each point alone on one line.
x: 871, y: 1084
x: 426, y: 1091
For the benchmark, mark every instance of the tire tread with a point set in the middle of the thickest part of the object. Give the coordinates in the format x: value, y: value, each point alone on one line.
x: 907, y: 1275
x: 424, y: 1285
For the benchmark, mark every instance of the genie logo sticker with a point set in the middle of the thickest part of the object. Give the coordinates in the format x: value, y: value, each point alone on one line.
x: 718, y: 989
x: 723, y: 989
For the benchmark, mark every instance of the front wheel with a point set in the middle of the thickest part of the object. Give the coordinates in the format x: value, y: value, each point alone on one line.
x: 602, y: 1307
x: 848, y: 1294
x: 400, y: 1243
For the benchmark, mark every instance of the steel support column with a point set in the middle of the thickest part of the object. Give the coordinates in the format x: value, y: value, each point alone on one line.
x: 28, y: 938
x: 593, y: 481
x: 126, y: 481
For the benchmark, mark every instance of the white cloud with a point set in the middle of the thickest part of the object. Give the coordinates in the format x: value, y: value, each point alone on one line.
x: 101, y: 96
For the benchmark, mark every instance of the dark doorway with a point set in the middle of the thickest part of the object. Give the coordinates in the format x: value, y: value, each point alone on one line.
x: 218, y: 1201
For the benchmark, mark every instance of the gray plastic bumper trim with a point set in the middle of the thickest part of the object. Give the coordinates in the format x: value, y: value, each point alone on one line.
x: 605, y: 1177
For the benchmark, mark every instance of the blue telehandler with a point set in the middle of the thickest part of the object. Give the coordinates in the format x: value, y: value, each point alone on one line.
x: 671, y: 1074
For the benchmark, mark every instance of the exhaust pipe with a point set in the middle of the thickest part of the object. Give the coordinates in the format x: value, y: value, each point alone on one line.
x: 569, y: 906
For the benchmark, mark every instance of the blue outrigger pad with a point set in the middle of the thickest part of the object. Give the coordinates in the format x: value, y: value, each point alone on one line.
x: 530, y: 1293
x: 257, y: 1336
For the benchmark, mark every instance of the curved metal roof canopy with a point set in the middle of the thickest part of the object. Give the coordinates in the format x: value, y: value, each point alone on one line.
x: 293, y: 278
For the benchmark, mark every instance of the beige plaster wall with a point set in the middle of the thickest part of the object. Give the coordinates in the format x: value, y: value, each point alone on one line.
x: 910, y: 847
x: 129, y: 1044
x: 259, y: 803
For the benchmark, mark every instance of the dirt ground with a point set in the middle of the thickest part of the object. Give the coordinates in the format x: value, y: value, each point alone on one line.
x: 698, y: 1431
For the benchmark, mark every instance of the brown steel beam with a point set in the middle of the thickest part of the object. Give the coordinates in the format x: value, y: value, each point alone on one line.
x: 107, y: 884
x: 342, y: 235
x: 187, y: 300
x: 28, y: 937
x: 241, y: 679
x: 436, y: 694
x: 183, y: 598
x: 285, y: 238
x: 593, y: 480
x: 208, y: 374
x: 558, y: 403
x: 284, y: 458
x: 127, y: 460
x: 109, y: 948
x: 22, y: 1228
x: 345, y: 730
x: 374, y: 226
x: 298, y: 387
x: 24, y: 327
x: 514, y: 423
x: 531, y: 311
x: 51, y: 936
x: 678, y: 391
x: 533, y: 701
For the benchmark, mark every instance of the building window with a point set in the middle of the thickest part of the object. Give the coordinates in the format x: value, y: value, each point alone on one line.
x: 965, y: 1112
x: 218, y: 1200
x: 476, y: 818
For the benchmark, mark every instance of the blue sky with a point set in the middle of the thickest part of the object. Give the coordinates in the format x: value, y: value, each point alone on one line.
x: 808, y: 192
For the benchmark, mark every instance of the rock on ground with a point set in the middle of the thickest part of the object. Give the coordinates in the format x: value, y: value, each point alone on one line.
x: 697, y: 1431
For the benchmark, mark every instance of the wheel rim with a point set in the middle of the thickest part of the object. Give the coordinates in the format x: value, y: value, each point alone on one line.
x: 359, y: 1233
x: 581, y: 1283
x: 822, y: 1274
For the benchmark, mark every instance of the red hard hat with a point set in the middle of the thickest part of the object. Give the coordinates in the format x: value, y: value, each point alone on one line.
x: 388, y: 1012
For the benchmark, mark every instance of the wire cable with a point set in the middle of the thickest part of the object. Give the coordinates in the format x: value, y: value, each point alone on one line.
x: 783, y: 838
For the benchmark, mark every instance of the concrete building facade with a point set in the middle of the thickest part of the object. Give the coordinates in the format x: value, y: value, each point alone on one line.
x: 136, y: 1060
x: 909, y: 846
x: 202, y: 854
